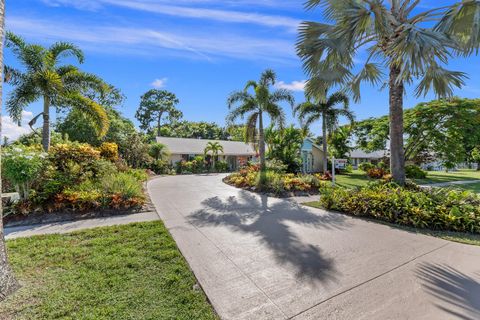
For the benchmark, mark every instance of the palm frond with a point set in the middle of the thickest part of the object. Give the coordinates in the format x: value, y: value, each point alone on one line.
x: 238, y: 96
x: 250, y: 128
x: 267, y: 78
x: 241, y: 111
x: 283, y: 95
x: 95, y: 112
x: 441, y: 80
x: 66, y: 49
x: 24, y: 94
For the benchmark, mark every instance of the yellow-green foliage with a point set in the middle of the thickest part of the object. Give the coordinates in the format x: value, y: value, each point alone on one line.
x: 109, y: 151
x: 81, y: 153
x: 436, y: 209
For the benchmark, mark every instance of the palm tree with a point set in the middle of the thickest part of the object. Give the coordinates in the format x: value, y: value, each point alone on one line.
x: 309, y: 112
x: 400, y: 40
x: 58, y: 85
x: 8, y: 284
x: 215, y: 148
x: 158, y: 151
x: 255, y: 105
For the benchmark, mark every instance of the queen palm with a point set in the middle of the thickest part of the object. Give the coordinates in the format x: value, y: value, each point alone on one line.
x: 255, y: 104
x: 401, y: 41
x: 57, y: 85
x: 214, y: 148
x: 7, y: 280
x: 310, y: 112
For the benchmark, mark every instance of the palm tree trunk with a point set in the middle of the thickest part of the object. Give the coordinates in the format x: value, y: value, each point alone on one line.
x: 8, y: 284
x: 324, y: 143
x: 46, y: 123
x: 397, y: 154
x: 261, y: 142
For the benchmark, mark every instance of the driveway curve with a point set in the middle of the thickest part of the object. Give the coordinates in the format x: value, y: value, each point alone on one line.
x: 258, y: 257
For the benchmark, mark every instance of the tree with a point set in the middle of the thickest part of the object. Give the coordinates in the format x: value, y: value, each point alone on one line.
x: 194, y: 130
x: 215, y: 148
x: 154, y: 105
x: 78, y: 127
x: 476, y: 156
x: 398, y: 39
x: 59, y: 86
x: 158, y: 151
x: 255, y: 105
x: 339, y: 142
x: 285, y: 145
x: 8, y: 284
x: 309, y: 112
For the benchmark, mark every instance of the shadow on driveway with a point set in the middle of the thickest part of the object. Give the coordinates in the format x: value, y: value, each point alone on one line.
x: 252, y: 214
x: 453, y: 289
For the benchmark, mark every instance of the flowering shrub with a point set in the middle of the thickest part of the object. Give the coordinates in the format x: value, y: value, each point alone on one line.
x: 109, y: 151
x: 437, y: 209
x: 21, y: 166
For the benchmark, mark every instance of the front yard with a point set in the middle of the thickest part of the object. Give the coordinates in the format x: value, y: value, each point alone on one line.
x: 123, y: 272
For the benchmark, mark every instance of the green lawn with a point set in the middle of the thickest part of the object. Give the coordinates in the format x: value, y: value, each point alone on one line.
x: 442, y: 176
x: 475, y: 187
x: 358, y: 178
x: 467, y: 238
x: 123, y: 272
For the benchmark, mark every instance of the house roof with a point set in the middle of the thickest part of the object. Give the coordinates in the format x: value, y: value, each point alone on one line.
x: 360, y: 154
x: 197, y: 146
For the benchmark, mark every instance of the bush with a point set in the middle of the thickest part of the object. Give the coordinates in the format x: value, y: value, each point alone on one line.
x: 221, y: 166
x: 125, y: 185
x: 415, y: 172
x: 276, y: 165
x: 109, y: 151
x: 64, y: 154
x: 376, y: 173
x: 365, y: 166
x: 436, y: 209
x: 21, y: 166
x: 161, y: 167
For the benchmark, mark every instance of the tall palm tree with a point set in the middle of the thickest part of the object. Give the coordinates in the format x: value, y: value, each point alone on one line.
x: 215, y: 148
x: 256, y: 104
x: 400, y: 41
x: 8, y: 283
x: 309, y: 112
x: 58, y: 85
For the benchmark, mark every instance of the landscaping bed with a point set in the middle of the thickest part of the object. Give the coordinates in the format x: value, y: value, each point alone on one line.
x: 276, y: 183
x: 123, y: 272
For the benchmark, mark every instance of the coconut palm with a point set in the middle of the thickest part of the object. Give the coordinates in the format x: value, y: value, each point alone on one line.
x: 254, y: 105
x: 310, y: 112
x: 8, y: 283
x: 400, y: 42
x: 215, y: 148
x: 57, y: 85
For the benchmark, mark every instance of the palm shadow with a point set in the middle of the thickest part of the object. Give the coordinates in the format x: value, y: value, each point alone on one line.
x: 453, y: 288
x: 252, y: 214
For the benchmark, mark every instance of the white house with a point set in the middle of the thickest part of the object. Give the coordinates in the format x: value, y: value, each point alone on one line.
x: 234, y: 153
x: 358, y: 156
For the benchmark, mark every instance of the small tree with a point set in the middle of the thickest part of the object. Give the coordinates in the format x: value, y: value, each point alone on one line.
x: 215, y: 148
x: 158, y: 151
x: 154, y: 105
x: 476, y: 156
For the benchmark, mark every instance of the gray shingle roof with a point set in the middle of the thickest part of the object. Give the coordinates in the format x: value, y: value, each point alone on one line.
x: 360, y: 154
x: 197, y: 146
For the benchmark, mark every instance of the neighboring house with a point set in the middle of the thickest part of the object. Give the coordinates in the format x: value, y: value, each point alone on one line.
x: 358, y: 156
x: 312, y: 156
x: 234, y: 153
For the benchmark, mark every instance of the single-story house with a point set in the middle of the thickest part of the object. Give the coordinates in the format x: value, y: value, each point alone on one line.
x: 358, y: 156
x: 234, y: 153
x: 312, y: 156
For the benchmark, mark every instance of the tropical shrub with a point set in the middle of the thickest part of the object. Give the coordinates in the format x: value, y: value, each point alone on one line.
x: 63, y: 154
x: 109, y: 151
x: 365, y: 166
x: 21, y: 166
x: 221, y: 166
x: 436, y: 209
x: 376, y: 173
x: 276, y: 165
x: 161, y: 167
x: 126, y: 185
x: 415, y: 172
x: 135, y: 151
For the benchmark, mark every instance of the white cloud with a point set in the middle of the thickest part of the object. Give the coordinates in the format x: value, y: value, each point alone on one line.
x: 159, y: 83
x: 294, y: 85
x: 78, y: 4
x: 12, y: 130
x: 142, y: 41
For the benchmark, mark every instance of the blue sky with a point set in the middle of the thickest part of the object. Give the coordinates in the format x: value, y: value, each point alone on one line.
x: 199, y: 49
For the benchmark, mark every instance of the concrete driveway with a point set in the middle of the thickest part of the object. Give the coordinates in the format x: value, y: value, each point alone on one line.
x: 264, y: 258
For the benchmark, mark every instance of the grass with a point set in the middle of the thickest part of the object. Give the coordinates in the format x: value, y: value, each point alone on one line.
x: 442, y: 176
x: 351, y: 180
x: 461, y: 237
x: 475, y: 187
x: 122, y: 272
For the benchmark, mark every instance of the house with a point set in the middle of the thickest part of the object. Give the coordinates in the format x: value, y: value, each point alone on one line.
x: 234, y: 153
x: 358, y: 156
x: 312, y: 156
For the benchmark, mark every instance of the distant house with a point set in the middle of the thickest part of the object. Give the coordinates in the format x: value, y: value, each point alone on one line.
x: 234, y: 153
x: 358, y: 156
x: 312, y: 156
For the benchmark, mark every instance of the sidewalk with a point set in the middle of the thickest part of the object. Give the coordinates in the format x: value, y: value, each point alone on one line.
x: 69, y: 226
